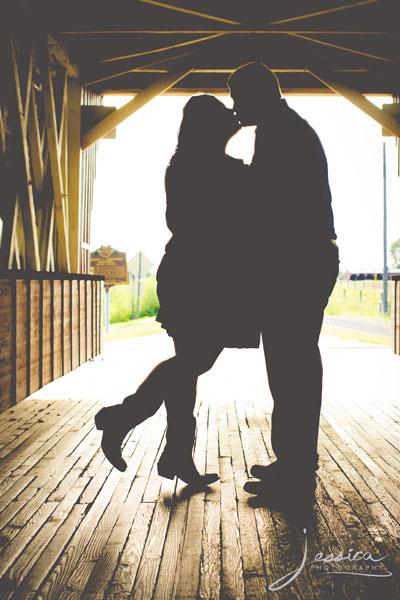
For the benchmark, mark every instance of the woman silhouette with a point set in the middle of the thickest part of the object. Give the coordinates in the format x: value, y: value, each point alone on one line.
x: 200, y: 306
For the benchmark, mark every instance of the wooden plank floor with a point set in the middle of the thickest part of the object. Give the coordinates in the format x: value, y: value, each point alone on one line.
x: 73, y: 528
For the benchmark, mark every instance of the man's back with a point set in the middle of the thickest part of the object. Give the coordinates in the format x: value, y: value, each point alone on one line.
x: 290, y: 176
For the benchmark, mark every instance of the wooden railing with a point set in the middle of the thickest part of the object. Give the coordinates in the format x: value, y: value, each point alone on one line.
x: 50, y: 323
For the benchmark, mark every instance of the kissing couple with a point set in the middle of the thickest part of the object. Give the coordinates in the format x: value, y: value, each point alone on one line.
x: 274, y: 215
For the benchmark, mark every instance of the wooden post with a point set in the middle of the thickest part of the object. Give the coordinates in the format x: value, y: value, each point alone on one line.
x: 74, y: 152
x: 55, y: 166
x: 155, y: 89
x: 23, y: 173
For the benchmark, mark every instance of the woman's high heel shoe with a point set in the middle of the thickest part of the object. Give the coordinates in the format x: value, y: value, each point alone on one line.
x: 172, y: 466
x: 113, y: 422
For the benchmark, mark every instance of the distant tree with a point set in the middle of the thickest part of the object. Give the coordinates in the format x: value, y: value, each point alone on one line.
x: 395, y: 252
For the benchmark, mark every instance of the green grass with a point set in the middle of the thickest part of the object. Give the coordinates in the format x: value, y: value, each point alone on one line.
x: 121, y: 301
x: 350, y: 298
x: 345, y: 300
x: 144, y: 326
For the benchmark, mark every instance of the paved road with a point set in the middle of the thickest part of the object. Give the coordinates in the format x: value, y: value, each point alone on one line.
x: 364, y: 324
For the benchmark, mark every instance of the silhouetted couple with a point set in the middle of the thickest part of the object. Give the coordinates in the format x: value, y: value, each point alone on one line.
x: 275, y: 216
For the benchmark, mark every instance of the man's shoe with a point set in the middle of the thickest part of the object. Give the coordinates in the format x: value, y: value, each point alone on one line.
x: 289, y: 498
x: 272, y: 470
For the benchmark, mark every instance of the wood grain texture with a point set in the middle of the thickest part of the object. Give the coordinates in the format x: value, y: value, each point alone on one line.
x: 21, y: 341
x: 5, y: 344
x: 73, y: 528
x: 66, y: 327
x: 46, y: 331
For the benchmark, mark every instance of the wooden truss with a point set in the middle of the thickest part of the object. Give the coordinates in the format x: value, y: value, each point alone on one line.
x: 40, y: 155
x: 201, y: 53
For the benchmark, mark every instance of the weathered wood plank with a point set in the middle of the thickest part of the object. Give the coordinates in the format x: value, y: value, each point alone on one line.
x: 52, y: 136
x: 56, y: 582
x: 33, y: 551
x: 24, y: 180
x: 34, y: 337
x: 72, y: 527
x: 75, y: 324
x: 47, y: 354
x: 94, y: 549
x: 74, y: 151
x: 66, y: 327
x: 57, y: 325
x: 232, y: 573
x: 189, y: 568
x: 21, y: 340
x: 152, y: 552
x: 102, y: 573
x: 210, y: 568
x: 51, y: 554
x: 5, y: 344
x: 122, y: 583
x: 167, y: 577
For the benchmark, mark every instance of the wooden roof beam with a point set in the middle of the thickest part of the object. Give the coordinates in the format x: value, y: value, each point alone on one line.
x: 101, y: 74
x: 345, y: 49
x: 342, y: 7
x: 383, y: 118
x: 117, y: 117
x: 163, y: 49
x: 243, y: 30
x: 59, y: 52
x: 325, y: 12
x: 335, y: 9
x: 190, y: 12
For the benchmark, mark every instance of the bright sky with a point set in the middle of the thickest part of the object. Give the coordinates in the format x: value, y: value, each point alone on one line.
x: 129, y: 202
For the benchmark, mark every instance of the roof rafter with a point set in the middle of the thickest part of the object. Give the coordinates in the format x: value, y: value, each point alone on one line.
x: 156, y: 88
x: 117, y: 72
x: 359, y: 100
x: 294, y: 34
x: 325, y: 12
x: 344, y: 48
x: 276, y: 22
x: 245, y: 31
x: 163, y: 49
x: 190, y: 12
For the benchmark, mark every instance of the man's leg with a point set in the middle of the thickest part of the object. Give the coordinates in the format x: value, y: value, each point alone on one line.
x: 295, y: 379
x: 294, y: 370
x: 290, y: 334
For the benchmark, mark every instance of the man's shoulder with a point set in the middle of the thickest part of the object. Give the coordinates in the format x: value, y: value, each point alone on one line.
x: 300, y: 126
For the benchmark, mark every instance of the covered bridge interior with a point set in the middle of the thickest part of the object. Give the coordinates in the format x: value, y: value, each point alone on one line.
x: 57, y: 60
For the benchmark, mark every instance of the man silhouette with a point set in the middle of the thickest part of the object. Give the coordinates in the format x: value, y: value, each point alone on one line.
x: 298, y: 266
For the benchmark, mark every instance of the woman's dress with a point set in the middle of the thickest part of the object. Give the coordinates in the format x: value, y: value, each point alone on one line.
x: 205, y: 279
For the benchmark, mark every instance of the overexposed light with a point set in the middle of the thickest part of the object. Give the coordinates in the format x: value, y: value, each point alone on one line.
x: 129, y: 204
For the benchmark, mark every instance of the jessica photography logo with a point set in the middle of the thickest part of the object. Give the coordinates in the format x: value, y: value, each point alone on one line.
x: 350, y: 562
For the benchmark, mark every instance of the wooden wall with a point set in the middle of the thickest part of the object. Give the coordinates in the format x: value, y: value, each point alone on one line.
x: 396, y: 314
x: 50, y: 323
x: 46, y: 182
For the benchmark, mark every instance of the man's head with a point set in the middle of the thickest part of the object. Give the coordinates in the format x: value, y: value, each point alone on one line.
x: 255, y: 90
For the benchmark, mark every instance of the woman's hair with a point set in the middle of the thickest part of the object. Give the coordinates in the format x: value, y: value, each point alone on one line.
x: 199, y: 125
